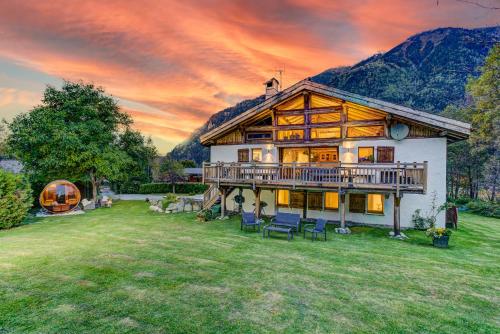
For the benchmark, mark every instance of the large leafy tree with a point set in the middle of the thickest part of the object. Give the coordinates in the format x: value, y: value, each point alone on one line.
x: 77, y: 132
x: 172, y: 171
x: 475, y: 164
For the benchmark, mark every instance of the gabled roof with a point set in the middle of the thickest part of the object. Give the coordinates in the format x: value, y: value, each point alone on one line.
x: 454, y: 129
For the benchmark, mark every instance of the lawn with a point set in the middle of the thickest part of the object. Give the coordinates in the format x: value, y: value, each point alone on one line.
x: 126, y: 269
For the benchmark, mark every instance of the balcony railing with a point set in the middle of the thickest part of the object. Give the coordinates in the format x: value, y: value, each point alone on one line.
x: 405, y: 177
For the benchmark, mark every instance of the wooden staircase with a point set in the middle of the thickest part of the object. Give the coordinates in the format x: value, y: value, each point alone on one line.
x: 210, y: 196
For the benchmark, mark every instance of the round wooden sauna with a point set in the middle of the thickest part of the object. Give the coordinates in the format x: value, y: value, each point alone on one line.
x: 60, y: 196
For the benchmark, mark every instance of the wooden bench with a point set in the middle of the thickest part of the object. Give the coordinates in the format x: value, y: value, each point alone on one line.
x: 286, y: 230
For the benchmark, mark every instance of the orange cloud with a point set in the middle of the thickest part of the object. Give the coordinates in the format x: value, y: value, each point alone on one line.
x: 181, y: 61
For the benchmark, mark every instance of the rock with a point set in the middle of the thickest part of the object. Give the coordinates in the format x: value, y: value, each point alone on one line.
x: 341, y: 230
x: 401, y: 236
x: 179, y: 207
x: 154, y: 208
x: 196, y: 207
x: 188, y: 207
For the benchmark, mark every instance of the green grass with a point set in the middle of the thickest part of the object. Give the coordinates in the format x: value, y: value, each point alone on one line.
x: 126, y: 269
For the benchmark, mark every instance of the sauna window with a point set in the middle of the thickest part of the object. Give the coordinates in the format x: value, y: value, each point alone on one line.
x: 257, y: 136
x: 243, y: 155
x: 315, y: 201
x: 365, y: 131
x: 290, y: 119
x: 385, y: 154
x: 325, y: 118
x: 256, y: 154
x: 325, y: 133
x: 375, y: 203
x: 331, y: 201
x: 283, y: 197
x: 365, y: 155
x: 297, y: 199
x: 330, y: 154
x: 290, y: 134
x: 357, y: 203
x: 299, y: 155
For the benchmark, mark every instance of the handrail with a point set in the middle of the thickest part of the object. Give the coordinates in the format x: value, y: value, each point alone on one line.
x: 398, y: 176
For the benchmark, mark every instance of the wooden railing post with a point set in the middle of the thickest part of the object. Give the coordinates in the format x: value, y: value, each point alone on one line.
x: 424, y: 177
x: 203, y: 172
x: 294, y: 167
x: 397, y: 178
x: 218, y: 167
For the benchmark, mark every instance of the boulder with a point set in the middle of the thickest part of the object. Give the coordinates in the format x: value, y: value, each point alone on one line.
x: 196, y: 207
x: 188, y: 207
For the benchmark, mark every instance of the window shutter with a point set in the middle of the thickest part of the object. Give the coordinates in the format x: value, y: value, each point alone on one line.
x: 243, y: 155
x: 357, y: 203
x: 385, y: 154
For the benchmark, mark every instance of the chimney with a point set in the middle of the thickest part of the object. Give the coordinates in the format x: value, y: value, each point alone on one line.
x: 272, y: 87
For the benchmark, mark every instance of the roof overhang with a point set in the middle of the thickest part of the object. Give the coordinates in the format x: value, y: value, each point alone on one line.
x: 454, y: 130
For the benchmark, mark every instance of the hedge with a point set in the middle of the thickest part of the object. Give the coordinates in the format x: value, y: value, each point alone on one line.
x: 15, y: 199
x: 484, y: 208
x: 181, y: 188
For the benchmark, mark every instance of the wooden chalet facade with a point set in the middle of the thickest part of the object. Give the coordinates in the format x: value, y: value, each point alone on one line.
x: 323, y: 152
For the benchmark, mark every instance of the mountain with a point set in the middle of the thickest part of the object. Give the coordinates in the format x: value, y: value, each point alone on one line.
x: 427, y: 72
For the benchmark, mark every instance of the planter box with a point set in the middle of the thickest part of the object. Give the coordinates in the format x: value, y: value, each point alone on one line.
x: 441, y: 242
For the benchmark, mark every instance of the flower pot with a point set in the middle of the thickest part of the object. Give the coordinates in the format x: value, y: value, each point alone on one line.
x: 441, y: 242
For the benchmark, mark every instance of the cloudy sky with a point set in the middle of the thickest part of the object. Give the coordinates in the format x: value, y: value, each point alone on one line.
x: 172, y: 64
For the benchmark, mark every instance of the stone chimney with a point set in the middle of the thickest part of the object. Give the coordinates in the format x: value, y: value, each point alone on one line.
x: 272, y: 87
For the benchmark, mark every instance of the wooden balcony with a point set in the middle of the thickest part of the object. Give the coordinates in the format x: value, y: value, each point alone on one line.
x: 394, y: 177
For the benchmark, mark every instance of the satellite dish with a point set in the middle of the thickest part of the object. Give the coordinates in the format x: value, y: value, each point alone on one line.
x: 399, y: 131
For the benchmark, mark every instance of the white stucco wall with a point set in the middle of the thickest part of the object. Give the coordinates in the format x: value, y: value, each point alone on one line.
x: 432, y: 150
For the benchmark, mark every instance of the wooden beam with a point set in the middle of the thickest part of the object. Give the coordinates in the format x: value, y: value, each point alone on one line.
x: 223, y: 192
x: 397, y: 224
x: 342, y: 209
x: 304, y: 210
x: 256, y: 192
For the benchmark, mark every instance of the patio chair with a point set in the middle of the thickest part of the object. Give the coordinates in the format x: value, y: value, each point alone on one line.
x: 248, y: 219
x: 319, y: 228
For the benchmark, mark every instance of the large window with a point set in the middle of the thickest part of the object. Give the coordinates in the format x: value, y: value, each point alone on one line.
x: 365, y: 131
x: 290, y: 134
x: 330, y: 154
x: 385, y: 154
x: 331, y: 117
x: 283, y: 197
x: 243, y: 155
x: 331, y: 201
x: 257, y: 154
x: 325, y: 133
x: 375, y: 203
x: 315, y: 201
x: 290, y: 119
x: 357, y: 203
x: 365, y: 155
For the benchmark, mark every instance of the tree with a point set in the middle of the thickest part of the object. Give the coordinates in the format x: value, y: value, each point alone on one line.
x: 485, y: 139
x: 3, y: 139
x: 142, y: 153
x: 188, y: 163
x: 172, y: 171
x: 74, y: 134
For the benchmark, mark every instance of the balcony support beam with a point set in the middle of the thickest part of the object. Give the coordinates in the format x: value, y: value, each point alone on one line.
x: 342, y: 209
x: 256, y: 192
x: 397, y: 223
x: 223, y: 192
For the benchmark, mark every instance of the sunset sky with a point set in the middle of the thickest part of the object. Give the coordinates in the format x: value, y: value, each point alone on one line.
x: 171, y: 64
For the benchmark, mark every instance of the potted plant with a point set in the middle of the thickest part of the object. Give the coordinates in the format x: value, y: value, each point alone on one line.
x: 440, y: 236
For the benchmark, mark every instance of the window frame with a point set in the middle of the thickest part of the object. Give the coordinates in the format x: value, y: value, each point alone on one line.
x: 241, y: 150
x: 380, y: 213
x: 255, y: 150
x: 294, y: 139
x: 324, y: 201
x: 385, y: 147
x: 373, y: 155
x: 270, y: 138
x: 312, y: 129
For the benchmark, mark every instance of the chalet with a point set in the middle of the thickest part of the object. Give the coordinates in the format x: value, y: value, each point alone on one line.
x: 323, y: 152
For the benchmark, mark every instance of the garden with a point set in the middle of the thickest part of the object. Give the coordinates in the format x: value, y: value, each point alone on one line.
x: 127, y: 269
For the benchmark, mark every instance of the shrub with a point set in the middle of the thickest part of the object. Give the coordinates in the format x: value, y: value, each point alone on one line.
x: 183, y: 188
x: 420, y: 222
x: 170, y: 198
x: 484, y: 208
x: 15, y: 199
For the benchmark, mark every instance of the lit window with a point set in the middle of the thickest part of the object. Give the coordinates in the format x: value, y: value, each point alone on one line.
x: 325, y: 154
x: 256, y: 154
x: 325, y: 118
x: 299, y: 155
x: 325, y: 133
x: 291, y: 120
x: 331, y: 201
x: 290, y: 134
x: 365, y: 131
x: 375, y: 203
x: 283, y: 197
x: 365, y: 154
